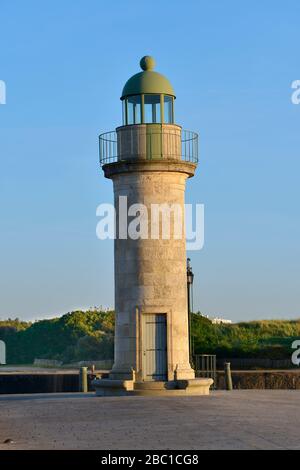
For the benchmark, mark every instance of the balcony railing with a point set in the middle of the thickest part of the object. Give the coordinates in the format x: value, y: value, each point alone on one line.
x: 148, y: 146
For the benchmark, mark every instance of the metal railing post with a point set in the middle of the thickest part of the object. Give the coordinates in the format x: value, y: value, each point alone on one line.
x: 205, y: 366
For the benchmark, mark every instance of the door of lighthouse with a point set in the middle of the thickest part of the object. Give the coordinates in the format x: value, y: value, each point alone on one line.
x: 154, y: 344
x: 154, y: 137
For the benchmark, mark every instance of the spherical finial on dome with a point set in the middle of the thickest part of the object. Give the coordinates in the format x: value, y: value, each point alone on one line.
x: 148, y: 81
x: 147, y: 63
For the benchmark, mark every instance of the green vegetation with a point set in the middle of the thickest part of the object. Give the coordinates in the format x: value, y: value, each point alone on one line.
x: 89, y: 336
x: 73, y: 337
x: 270, y: 339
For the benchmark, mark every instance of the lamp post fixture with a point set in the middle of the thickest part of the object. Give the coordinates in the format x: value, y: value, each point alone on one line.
x: 190, y: 280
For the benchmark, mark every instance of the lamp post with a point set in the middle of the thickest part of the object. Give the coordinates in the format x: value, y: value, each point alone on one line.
x: 190, y: 279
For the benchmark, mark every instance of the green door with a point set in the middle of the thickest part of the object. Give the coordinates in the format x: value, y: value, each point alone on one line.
x: 154, y: 142
x: 154, y: 347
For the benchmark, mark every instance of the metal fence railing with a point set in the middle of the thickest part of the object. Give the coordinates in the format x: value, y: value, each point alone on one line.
x: 108, y: 147
x: 206, y: 366
x: 152, y: 145
x: 189, y: 146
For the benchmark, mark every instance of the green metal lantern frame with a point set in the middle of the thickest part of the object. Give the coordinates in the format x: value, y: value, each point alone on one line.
x: 142, y: 120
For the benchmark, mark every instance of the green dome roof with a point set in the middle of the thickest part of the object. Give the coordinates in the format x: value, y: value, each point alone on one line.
x: 147, y: 81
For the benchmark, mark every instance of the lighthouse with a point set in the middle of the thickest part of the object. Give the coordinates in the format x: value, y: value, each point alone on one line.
x: 149, y: 159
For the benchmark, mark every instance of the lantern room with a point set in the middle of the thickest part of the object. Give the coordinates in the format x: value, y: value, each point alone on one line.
x: 148, y: 97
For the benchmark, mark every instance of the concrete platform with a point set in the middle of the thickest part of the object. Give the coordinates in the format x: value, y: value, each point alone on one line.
x: 112, y: 387
x: 242, y: 419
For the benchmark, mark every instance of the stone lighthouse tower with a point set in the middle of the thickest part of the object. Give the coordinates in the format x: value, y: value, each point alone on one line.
x: 149, y: 159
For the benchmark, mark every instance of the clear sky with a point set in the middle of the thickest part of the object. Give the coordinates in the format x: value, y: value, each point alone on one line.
x: 231, y: 64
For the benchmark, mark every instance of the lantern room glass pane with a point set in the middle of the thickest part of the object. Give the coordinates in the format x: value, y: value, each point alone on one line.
x: 152, y: 109
x: 134, y: 109
x: 168, y: 109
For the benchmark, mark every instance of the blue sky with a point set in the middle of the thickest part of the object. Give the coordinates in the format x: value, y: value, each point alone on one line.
x: 231, y: 64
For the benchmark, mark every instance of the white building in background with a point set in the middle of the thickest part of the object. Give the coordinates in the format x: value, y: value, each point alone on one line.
x: 215, y: 320
x: 218, y: 321
x: 99, y: 309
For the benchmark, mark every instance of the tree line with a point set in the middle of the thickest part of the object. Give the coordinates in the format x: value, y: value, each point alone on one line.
x: 89, y: 335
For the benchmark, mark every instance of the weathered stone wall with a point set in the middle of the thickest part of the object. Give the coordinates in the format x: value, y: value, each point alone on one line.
x: 149, y: 141
x: 47, y: 363
x: 261, y: 380
x: 254, y: 363
x: 150, y: 276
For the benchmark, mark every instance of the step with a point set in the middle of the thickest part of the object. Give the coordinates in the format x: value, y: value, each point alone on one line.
x: 155, y: 385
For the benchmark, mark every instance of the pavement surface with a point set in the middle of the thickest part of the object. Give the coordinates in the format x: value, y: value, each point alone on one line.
x: 241, y: 419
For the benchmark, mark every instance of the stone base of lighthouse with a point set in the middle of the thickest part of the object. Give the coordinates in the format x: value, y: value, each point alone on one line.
x: 192, y: 387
